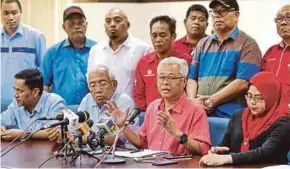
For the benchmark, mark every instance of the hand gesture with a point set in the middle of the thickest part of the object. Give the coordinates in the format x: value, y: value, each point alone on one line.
x: 113, y: 110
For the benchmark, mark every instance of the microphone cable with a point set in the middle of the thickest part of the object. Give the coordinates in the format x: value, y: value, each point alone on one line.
x: 22, y: 141
x: 16, y: 138
x: 54, y: 154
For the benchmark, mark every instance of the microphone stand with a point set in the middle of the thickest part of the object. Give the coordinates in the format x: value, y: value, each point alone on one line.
x: 111, y: 159
x: 80, y: 151
x: 63, y: 150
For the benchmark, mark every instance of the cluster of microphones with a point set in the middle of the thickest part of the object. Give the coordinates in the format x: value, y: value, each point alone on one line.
x: 80, y: 125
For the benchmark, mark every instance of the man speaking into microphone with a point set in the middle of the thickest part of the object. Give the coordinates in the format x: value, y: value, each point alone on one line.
x: 174, y: 123
x: 103, y: 88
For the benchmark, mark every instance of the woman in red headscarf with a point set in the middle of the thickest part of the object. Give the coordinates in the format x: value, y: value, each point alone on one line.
x: 259, y: 133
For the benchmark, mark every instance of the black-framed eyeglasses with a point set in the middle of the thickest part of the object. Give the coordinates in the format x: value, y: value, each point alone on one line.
x: 169, y: 79
x: 221, y: 13
x: 257, y: 99
x: 280, y: 19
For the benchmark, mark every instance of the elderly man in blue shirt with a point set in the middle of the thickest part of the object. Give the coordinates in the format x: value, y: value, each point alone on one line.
x: 22, y: 47
x: 103, y: 88
x: 65, y: 64
x: 30, y: 103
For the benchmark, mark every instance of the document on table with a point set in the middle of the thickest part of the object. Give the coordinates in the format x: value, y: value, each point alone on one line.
x: 141, y: 153
x: 277, y: 167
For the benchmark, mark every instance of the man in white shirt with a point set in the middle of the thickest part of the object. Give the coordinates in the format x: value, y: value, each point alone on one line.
x: 122, y: 52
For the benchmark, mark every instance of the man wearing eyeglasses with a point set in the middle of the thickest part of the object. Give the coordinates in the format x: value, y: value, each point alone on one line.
x: 65, y: 64
x: 277, y: 58
x: 223, y: 63
x: 173, y: 123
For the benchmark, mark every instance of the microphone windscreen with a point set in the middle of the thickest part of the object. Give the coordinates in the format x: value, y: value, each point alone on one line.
x: 83, y: 116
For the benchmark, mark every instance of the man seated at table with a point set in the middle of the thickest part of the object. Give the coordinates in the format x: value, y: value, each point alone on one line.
x: 30, y: 102
x: 103, y: 87
x: 174, y: 123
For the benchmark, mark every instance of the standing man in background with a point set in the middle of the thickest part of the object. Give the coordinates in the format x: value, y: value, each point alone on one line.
x: 277, y: 58
x: 223, y: 63
x: 122, y: 52
x: 65, y: 64
x: 21, y: 47
x: 162, y: 33
x: 195, y: 24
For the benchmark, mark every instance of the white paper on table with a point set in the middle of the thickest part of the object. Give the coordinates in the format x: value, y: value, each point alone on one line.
x: 277, y: 167
x: 142, y: 153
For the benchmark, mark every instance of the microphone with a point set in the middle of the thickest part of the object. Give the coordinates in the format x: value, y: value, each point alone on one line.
x: 108, y: 125
x: 85, y: 128
x: 135, y: 113
x: 82, y: 115
x: 70, y: 119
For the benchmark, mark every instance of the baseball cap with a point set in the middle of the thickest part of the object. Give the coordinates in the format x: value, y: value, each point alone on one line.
x: 227, y: 3
x: 72, y: 10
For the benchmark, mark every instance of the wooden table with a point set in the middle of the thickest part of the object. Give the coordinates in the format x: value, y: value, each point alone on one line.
x: 32, y: 153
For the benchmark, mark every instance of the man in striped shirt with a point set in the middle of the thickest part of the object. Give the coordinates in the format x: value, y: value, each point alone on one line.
x: 223, y: 63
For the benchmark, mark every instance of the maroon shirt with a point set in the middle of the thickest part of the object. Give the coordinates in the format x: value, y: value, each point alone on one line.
x: 145, y: 88
x: 182, y: 46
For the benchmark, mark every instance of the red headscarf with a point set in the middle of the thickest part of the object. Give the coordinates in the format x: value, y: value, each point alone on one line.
x: 270, y: 88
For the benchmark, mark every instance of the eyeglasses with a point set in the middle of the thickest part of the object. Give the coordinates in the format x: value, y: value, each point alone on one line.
x: 170, y: 79
x: 258, y: 99
x: 102, y: 84
x: 281, y: 18
x: 221, y: 13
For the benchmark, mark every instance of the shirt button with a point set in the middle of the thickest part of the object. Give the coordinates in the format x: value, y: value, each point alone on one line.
x: 159, y: 143
x: 163, y: 131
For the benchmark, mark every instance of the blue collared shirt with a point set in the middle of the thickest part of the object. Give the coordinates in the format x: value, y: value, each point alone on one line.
x: 97, y: 113
x: 22, y: 50
x: 64, y: 68
x: 49, y: 105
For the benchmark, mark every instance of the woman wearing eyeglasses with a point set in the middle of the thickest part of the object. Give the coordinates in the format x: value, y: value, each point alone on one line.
x: 259, y: 133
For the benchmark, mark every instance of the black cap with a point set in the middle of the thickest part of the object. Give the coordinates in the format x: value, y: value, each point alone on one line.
x: 227, y: 3
x: 72, y: 10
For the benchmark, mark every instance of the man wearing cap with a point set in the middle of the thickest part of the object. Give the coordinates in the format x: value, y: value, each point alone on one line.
x: 65, y: 64
x: 195, y: 24
x: 223, y: 63
x: 22, y: 47
x: 277, y: 58
x: 122, y: 52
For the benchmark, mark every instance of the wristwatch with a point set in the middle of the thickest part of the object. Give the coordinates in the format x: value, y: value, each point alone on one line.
x: 183, y: 139
x: 209, y: 104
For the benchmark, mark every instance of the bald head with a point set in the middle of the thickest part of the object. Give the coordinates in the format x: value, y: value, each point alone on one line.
x: 116, y: 24
x: 283, y: 23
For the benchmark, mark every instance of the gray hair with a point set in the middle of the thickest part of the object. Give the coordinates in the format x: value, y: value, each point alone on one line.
x: 102, y: 68
x: 174, y: 60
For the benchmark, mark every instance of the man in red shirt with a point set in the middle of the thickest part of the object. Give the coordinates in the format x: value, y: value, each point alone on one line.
x: 195, y: 24
x: 174, y: 123
x: 277, y: 58
x: 162, y: 32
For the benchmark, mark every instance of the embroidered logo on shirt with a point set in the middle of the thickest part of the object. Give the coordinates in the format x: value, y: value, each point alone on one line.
x: 149, y: 73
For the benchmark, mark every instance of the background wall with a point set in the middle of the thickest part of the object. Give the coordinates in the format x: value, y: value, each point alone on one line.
x: 256, y: 19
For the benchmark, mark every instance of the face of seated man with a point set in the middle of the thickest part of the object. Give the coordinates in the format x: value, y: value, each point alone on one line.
x: 24, y: 96
x: 101, y: 86
x: 170, y: 81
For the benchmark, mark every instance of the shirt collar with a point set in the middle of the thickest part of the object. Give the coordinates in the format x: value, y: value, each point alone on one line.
x: 88, y: 44
x: 126, y: 43
x: 177, y: 108
x: 282, y: 44
x: 40, y: 102
x: 19, y: 30
x: 233, y: 35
